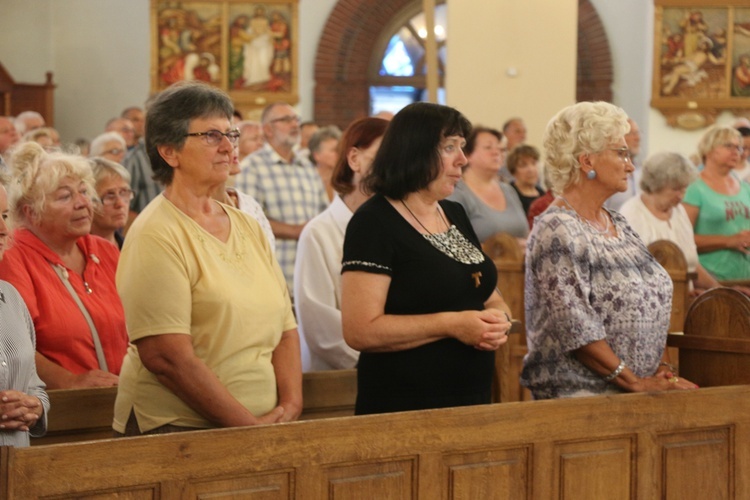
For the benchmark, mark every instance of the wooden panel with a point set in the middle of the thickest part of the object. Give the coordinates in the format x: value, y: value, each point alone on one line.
x: 686, y: 444
x: 394, y: 480
x: 490, y: 475
x: 86, y: 414
x: 715, y: 348
x: 257, y: 487
x: 595, y: 469
x: 134, y: 494
x: 698, y: 464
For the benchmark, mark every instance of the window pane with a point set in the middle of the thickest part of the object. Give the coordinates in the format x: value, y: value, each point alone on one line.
x: 392, y: 98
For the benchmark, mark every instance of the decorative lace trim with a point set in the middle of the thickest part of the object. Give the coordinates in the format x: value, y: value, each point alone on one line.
x: 366, y: 264
x: 455, y: 245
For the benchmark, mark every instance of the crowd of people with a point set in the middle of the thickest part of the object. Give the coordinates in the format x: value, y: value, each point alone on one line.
x: 201, y: 263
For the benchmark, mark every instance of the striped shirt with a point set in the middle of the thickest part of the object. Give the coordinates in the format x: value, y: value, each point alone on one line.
x: 292, y: 193
x: 17, y: 365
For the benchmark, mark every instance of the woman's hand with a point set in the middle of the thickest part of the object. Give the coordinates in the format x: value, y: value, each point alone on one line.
x: 94, y: 378
x: 19, y: 411
x: 486, y: 330
x: 740, y: 242
x: 662, y: 381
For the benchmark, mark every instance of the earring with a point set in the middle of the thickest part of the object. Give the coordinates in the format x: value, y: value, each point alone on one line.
x: 591, y: 175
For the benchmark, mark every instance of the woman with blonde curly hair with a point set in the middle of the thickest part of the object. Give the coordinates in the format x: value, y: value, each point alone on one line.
x: 718, y: 205
x: 597, y: 303
x: 64, y: 274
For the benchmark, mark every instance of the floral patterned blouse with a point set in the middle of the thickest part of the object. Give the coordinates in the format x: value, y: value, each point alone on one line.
x: 581, y: 287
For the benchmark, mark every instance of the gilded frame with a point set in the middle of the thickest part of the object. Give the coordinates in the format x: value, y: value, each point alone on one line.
x: 248, y: 49
x: 701, y: 63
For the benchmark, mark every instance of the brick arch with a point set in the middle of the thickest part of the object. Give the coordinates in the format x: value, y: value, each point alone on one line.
x: 354, y: 27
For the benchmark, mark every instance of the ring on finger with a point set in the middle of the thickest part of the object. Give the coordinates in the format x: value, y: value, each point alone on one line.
x: 674, y: 380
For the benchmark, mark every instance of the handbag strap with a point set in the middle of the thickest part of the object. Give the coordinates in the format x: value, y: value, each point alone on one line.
x: 62, y: 273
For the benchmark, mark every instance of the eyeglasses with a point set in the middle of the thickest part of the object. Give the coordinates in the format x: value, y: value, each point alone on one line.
x: 287, y: 119
x: 110, y: 197
x: 113, y: 152
x: 623, y: 153
x: 736, y: 147
x: 213, y: 137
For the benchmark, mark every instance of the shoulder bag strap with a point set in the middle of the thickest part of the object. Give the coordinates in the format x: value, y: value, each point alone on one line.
x: 62, y: 273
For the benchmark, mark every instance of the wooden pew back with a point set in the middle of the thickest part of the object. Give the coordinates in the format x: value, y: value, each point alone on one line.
x: 86, y: 414
x: 670, y: 256
x: 715, y: 349
x: 585, y: 448
x: 508, y: 257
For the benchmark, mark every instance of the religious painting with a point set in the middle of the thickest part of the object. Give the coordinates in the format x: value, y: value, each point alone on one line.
x: 701, y: 61
x: 741, y: 54
x: 248, y: 49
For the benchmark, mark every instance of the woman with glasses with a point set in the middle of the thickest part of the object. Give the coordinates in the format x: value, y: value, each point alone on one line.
x: 213, y: 338
x: 597, y: 303
x: 114, y: 193
x: 65, y: 275
x: 718, y: 205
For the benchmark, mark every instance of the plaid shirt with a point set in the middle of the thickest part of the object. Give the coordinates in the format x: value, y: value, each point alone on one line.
x: 292, y: 193
x: 141, y: 177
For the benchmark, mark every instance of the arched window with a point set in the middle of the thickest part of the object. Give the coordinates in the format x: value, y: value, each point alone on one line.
x: 399, y: 76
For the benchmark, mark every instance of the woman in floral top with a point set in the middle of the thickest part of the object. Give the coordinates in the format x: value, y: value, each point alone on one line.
x: 597, y: 303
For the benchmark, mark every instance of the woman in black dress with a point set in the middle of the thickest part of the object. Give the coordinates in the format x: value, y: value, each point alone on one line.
x: 418, y: 295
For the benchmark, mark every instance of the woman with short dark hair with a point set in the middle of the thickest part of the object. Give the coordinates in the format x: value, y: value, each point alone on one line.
x: 418, y: 295
x: 214, y: 341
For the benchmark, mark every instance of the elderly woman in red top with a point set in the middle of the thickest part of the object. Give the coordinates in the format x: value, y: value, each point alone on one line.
x: 65, y: 275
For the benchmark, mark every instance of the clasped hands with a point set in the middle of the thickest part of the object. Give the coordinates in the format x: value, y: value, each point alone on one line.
x: 19, y: 411
x: 486, y: 330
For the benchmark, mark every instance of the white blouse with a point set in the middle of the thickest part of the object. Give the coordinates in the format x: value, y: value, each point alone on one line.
x: 677, y: 229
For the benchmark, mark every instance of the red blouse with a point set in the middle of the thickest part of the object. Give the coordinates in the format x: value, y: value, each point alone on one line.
x: 62, y: 334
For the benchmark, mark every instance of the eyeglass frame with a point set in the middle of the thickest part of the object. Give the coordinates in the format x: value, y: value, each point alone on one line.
x: 211, y: 137
x: 738, y: 147
x: 110, y: 198
x: 623, y: 150
x: 287, y: 119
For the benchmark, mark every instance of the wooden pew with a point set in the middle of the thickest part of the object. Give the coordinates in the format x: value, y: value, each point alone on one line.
x: 715, y: 348
x: 86, y: 414
x: 679, y: 444
x: 670, y: 256
x: 508, y: 257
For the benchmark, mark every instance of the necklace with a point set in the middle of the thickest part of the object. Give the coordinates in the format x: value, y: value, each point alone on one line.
x: 595, y: 228
x: 419, y: 222
x: 452, y: 243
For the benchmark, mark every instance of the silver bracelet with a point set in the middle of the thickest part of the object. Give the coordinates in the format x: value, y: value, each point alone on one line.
x: 614, y: 374
x: 672, y: 368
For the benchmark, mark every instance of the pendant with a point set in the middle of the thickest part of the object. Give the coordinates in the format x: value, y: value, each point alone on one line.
x: 476, y: 277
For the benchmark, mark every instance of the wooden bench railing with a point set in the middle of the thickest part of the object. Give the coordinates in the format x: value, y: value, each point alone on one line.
x: 715, y: 348
x: 671, y: 258
x: 86, y: 414
x: 508, y: 257
x: 678, y: 444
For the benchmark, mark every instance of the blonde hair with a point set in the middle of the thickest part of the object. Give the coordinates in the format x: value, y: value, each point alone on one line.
x: 585, y: 127
x: 715, y: 137
x: 37, y: 173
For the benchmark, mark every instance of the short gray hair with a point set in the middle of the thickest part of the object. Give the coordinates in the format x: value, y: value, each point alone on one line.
x: 104, y: 168
x: 667, y: 170
x: 322, y: 135
x: 169, y: 115
x: 97, y: 145
x: 585, y: 127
